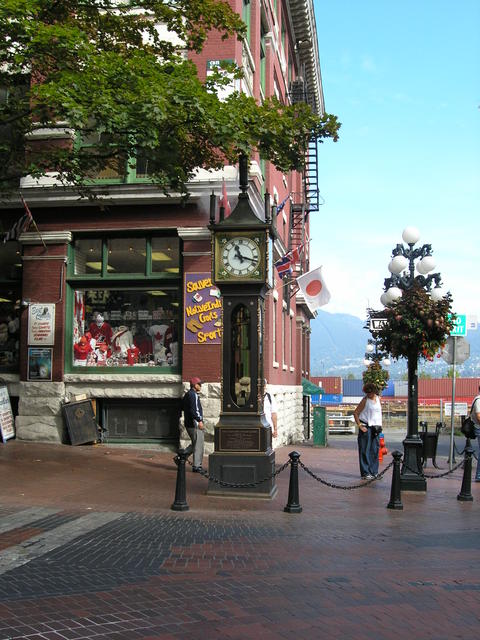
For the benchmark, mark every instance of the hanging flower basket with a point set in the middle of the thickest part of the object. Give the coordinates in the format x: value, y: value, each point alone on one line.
x: 416, y: 324
x: 376, y: 375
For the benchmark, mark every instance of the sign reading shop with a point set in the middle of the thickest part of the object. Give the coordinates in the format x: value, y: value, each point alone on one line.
x: 203, y: 310
x: 41, y: 324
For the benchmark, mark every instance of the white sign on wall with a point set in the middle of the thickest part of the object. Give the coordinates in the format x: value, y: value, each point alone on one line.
x: 461, y: 409
x: 41, y: 324
x: 7, y: 425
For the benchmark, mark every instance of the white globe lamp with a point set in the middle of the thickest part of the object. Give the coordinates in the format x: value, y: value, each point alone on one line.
x: 369, y: 348
x: 411, y: 235
x: 384, y: 299
x: 394, y: 293
x: 436, y: 294
x: 398, y: 264
x: 426, y: 264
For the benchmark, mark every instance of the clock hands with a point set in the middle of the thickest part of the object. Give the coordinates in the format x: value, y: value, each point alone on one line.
x: 238, y: 254
x: 241, y: 257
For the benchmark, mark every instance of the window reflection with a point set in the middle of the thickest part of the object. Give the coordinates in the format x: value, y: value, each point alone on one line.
x: 127, y: 255
x: 241, y: 373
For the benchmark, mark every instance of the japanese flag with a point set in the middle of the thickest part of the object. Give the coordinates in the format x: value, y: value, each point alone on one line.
x: 313, y: 287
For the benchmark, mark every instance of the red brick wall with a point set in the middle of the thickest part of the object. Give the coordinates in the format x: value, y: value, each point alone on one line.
x: 44, y: 281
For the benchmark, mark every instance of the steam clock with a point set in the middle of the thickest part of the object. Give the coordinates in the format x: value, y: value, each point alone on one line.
x: 243, y: 271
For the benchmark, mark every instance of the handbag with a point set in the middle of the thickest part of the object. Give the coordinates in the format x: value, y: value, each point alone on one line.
x: 468, y: 427
x: 376, y: 430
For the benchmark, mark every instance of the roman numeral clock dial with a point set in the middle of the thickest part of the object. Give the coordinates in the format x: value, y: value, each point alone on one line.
x: 240, y: 257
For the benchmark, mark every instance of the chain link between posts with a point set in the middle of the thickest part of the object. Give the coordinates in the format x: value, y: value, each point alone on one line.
x: 343, y: 487
x: 332, y: 485
x: 241, y: 485
x: 439, y: 475
x: 460, y: 453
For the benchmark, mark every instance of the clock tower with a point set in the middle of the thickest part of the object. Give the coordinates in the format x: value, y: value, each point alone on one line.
x: 242, y: 268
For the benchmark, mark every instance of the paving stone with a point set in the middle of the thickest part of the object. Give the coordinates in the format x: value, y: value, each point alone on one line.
x: 346, y: 567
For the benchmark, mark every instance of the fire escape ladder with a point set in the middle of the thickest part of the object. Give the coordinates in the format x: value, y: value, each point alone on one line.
x: 297, y: 221
x: 310, y: 177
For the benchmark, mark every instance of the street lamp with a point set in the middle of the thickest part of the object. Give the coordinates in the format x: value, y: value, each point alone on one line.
x: 411, y: 267
x: 374, y: 354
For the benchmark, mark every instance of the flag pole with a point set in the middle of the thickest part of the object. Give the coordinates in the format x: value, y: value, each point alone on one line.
x: 27, y: 209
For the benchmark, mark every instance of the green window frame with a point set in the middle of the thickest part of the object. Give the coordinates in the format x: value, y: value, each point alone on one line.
x: 247, y: 18
x: 147, y: 283
x: 126, y: 171
x: 263, y: 60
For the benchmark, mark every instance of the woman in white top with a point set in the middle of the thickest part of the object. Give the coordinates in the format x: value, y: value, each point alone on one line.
x: 368, y: 416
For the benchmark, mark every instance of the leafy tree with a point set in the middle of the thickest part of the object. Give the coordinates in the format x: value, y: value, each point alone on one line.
x: 424, y: 375
x: 105, y: 70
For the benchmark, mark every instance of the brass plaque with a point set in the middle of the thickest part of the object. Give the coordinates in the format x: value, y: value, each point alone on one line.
x: 232, y: 439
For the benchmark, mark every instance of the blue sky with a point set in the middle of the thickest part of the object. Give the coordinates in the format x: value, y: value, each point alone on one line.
x: 404, y: 80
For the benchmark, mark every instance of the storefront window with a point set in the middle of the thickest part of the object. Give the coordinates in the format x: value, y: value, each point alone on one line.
x: 10, y: 292
x: 88, y: 256
x: 125, y: 327
x: 127, y: 255
x: 9, y: 329
x: 125, y: 302
x: 165, y: 255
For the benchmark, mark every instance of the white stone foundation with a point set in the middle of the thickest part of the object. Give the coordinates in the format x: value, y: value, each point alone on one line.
x: 40, y: 404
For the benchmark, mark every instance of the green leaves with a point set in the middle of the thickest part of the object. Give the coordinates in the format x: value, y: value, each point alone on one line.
x: 103, y: 65
x: 416, y: 324
x: 376, y: 375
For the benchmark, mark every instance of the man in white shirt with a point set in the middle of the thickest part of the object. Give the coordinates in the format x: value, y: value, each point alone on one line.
x: 270, y: 410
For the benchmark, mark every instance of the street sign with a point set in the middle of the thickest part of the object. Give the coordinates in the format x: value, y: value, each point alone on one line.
x: 376, y: 324
x: 459, y: 409
x: 460, y: 326
x: 462, y: 350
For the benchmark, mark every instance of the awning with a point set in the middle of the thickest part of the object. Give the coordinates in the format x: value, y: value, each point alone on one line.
x: 310, y: 389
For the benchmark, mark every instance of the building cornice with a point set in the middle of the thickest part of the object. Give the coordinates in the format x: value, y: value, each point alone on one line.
x: 193, y: 233
x: 305, y: 35
x: 46, y: 237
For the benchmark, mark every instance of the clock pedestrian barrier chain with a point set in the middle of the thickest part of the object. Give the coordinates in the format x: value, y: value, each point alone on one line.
x: 293, y: 504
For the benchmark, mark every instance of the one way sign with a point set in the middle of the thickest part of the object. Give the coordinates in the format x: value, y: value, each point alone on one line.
x: 376, y: 324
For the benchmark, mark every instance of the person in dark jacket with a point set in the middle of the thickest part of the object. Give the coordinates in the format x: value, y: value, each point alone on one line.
x: 193, y: 418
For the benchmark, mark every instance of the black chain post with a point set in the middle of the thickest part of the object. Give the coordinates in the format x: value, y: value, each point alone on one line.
x: 180, y: 502
x: 395, y: 493
x: 293, y: 504
x: 465, y: 494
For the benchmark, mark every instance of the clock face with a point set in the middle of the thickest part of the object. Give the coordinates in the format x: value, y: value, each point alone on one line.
x: 241, y: 256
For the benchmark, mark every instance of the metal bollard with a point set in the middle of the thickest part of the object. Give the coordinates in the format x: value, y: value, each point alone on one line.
x: 293, y: 504
x: 180, y: 502
x: 465, y: 494
x: 395, y: 493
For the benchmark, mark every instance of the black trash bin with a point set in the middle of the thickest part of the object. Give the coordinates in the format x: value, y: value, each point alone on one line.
x: 430, y: 443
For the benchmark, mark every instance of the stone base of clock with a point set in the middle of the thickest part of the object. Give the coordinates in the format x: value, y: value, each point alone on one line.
x: 237, y: 468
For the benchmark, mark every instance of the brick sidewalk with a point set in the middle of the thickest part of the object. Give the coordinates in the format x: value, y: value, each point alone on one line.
x: 97, y: 553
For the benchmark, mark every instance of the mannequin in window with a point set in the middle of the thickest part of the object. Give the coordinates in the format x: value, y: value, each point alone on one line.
x: 100, y: 330
x: 80, y: 352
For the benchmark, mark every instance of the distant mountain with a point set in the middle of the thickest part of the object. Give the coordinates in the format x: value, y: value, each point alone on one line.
x: 337, y: 348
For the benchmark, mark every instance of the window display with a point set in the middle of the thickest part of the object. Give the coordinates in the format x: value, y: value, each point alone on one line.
x: 125, y: 328
x: 9, y: 331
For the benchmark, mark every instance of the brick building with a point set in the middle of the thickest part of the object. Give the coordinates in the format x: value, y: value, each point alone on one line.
x: 113, y: 299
